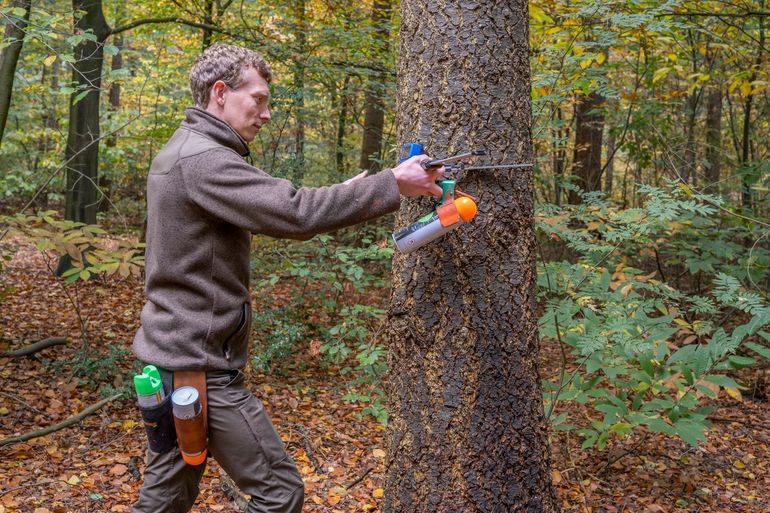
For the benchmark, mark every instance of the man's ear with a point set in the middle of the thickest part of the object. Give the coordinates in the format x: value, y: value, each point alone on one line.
x: 218, y: 92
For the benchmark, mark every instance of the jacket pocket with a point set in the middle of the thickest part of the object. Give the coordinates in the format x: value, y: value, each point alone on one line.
x: 241, y: 330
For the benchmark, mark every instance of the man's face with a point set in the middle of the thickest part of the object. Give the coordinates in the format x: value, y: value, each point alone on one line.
x: 245, y: 108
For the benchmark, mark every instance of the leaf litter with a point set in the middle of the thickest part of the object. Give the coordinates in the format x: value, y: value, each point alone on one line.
x: 96, y: 465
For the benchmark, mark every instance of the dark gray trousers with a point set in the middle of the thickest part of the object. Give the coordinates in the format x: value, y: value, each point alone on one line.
x: 245, y: 444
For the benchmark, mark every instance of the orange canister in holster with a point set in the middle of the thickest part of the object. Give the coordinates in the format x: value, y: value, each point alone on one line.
x: 190, y: 423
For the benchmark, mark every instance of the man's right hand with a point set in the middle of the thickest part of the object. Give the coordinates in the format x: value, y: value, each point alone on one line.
x: 413, y: 180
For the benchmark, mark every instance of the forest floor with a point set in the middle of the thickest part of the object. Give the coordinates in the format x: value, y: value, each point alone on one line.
x: 96, y: 465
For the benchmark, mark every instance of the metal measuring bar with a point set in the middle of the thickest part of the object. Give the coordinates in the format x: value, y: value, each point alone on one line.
x: 463, y: 167
x: 427, y: 164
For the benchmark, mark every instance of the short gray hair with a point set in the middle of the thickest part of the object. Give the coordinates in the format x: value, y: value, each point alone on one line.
x: 226, y: 63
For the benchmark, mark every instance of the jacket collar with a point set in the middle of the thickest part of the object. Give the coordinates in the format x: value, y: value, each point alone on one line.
x: 214, y: 128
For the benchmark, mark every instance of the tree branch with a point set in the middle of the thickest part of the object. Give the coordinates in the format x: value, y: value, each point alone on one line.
x: 171, y: 19
x: 34, y: 348
x: 61, y: 425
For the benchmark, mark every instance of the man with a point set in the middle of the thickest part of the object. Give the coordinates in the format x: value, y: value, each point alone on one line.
x: 203, y: 204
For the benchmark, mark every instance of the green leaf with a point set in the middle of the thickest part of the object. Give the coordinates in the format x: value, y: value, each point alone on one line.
x: 75, y: 39
x: 71, y: 271
x: 722, y: 381
x: 80, y: 96
x: 706, y: 390
x: 690, y: 431
x: 760, y: 349
x: 740, y: 362
x: 688, y: 376
x: 658, y: 425
x: 646, y: 364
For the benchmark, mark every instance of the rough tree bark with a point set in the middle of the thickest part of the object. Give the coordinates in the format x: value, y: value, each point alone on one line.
x: 9, y: 56
x: 609, y: 166
x: 467, y: 431
x: 374, y: 111
x: 560, y: 136
x: 713, y: 138
x: 342, y: 120
x: 82, y: 152
x: 745, y: 157
x: 687, y: 169
x: 208, y: 18
x: 300, y: 39
x: 587, y: 156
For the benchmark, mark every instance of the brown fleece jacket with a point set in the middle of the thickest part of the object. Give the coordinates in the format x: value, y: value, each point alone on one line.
x: 203, y: 204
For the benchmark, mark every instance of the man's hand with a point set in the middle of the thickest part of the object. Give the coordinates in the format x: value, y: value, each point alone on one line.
x: 413, y: 180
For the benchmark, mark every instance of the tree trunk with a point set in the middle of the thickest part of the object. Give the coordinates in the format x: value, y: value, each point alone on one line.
x: 105, y: 184
x: 342, y: 119
x: 114, y: 98
x: 374, y: 110
x: 467, y: 430
x: 117, y: 63
x: 713, y: 138
x: 9, y: 56
x: 300, y: 38
x: 82, y: 152
x: 587, y: 156
x: 208, y: 18
x: 559, y: 154
x: 609, y: 171
x: 688, y: 166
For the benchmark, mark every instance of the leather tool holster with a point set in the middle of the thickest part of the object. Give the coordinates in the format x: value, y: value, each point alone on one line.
x: 195, y: 379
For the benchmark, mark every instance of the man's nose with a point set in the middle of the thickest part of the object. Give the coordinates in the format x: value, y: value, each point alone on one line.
x: 266, y: 115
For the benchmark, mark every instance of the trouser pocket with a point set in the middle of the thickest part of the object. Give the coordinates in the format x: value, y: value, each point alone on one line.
x: 159, y: 425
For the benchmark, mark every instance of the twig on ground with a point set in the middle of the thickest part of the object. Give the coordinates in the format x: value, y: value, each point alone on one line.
x: 354, y: 483
x: 623, y: 454
x: 728, y: 419
x: 231, y: 490
x: 20, y: 400
x: 61, y: 425
x: 34, y: 348
x: 26, y: 485
x: 308, y: 446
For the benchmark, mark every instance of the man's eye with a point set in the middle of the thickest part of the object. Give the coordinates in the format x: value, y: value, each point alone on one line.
x: 257, y: 101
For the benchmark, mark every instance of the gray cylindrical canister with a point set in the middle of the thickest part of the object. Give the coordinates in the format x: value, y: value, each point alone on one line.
x: 428, y: 228
x: 186, y: 402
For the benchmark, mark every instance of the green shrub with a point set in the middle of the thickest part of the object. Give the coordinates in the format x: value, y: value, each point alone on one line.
x: 648, y: 350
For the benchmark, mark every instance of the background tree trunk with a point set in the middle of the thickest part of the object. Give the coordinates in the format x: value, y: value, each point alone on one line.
x: 208, y: 18
x: 300, y: 40
x: 560, y: 134
x: 82, y: 152
x: 713, y: 138
x: 117, y: 63
x: 587, y: 156
x: 374, y: 112
x: 9, y: 56
x: 467, y: 431
x: 687, y: 170
x: 342, y: 120
x: 746, y: 182
x: 609, y: 171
